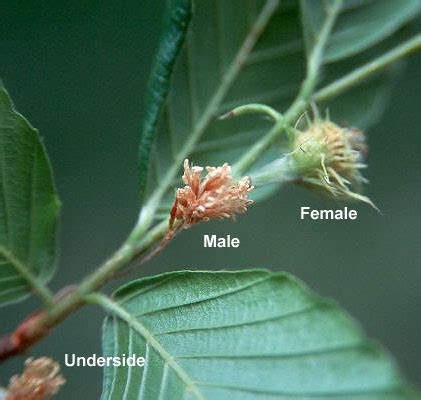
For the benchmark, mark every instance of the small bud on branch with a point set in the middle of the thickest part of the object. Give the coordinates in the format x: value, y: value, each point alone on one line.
x: 28, y: 332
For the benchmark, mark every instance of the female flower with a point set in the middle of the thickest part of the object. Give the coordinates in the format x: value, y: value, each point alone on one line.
x: 329, y: 159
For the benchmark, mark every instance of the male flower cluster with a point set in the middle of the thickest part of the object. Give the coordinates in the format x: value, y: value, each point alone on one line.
x: 215, y: 196
x: 40, y: 380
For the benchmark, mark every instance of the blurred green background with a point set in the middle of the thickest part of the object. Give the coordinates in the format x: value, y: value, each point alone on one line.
x: 78, y: 72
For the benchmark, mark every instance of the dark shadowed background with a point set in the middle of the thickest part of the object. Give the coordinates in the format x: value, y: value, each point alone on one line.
x: 78, y: 72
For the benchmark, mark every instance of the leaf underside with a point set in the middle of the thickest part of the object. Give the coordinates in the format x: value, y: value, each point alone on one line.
x: 28, y: 206
x: 218, y: 69
x: 241, y: 335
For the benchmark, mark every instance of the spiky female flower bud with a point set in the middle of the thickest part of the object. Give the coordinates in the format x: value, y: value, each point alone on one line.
x: 215, y: 196
x: 40, y: 380
x: 329, y: 159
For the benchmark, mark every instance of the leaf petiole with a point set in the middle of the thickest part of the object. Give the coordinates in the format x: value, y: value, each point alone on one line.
x: 253, y: 108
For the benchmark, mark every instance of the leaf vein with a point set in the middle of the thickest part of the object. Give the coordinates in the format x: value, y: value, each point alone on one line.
x: 210, y: 298
x: 280, y: 317
x: 316, y: 352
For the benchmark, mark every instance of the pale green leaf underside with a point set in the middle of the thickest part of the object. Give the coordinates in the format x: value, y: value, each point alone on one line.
x: 28, y: 206
x: 241, y: 335
x: 362, y: 23
x: 216, y: 71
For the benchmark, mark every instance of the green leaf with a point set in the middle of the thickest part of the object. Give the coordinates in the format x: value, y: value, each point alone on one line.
x: 240, y: 335
x: 241, y: 52
x: 175, y: 26
x: 365, y: 29
x: 28, y: 208
x: 362, y: 24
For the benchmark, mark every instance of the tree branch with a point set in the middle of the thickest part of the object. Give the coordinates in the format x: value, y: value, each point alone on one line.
x: 39, y: 324
x: 367, y: 70
x: 314, y: 63
x: 330, y: 91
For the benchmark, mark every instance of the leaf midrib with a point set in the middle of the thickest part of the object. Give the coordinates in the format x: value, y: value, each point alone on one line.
x: 30, y: 244
x: 31, y: 280
x: 148, y: 336
x: 3, y: 194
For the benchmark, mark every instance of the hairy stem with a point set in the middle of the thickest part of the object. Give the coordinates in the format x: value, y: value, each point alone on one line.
x: 253, y: 108
x: 127, y: 253
x: 279, y: 171
x: 38, y: 325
